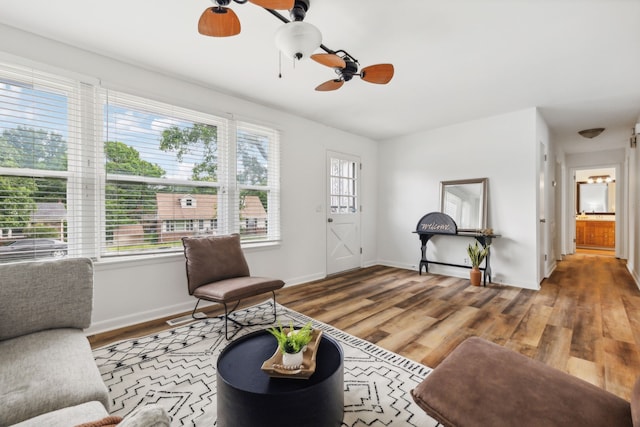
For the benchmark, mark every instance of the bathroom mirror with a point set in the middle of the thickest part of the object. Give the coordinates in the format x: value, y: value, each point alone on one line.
x: 596, y: 198
x: 466, y: 202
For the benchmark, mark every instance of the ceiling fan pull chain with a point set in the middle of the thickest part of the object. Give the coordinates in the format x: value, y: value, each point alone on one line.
x: 279, y: 64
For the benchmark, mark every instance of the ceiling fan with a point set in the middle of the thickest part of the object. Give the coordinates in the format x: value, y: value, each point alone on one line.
x: 221, y: 21
x: 346, y: 66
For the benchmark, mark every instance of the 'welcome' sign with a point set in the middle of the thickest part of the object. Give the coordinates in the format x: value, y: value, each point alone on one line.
x: 438, y: 223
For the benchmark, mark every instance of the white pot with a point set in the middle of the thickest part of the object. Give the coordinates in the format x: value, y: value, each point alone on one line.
x: 292, y: 359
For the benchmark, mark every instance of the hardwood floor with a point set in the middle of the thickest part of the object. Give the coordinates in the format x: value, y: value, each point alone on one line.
x: 585, y: 320
x: 592, y: 251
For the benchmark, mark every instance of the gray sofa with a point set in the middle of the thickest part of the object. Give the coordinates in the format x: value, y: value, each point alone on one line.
x: 48, y: 375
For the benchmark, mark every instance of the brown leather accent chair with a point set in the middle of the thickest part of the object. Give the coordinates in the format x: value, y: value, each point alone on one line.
x: 483, y: 384
x: 217, y: 271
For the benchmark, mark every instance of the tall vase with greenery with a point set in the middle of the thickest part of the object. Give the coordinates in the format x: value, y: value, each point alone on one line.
x: 476, y: 254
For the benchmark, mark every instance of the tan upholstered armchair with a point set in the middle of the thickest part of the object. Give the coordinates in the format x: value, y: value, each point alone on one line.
x: 217, y: 271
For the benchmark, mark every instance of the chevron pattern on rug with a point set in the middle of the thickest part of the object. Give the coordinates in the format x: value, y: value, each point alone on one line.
x: 177, y: 370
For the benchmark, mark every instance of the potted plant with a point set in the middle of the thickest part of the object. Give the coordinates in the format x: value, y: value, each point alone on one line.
x: 292, y: 343
x: 476, y: 254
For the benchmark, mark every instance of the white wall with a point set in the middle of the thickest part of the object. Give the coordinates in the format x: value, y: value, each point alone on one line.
x: 131, y: 291
x: 501, y: 148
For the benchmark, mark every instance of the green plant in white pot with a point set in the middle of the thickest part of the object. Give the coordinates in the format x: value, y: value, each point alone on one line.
x: 292, y: 343
x: 476, y: 254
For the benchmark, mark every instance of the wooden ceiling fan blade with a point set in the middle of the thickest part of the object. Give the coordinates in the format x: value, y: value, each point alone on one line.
x: 274, y: 4
x: 219, y: 22
x: 380, y: 73
x: 329, y: 59
x: 330, y: 85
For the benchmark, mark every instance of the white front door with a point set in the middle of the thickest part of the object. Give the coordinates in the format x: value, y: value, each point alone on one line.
x: 343, y: 213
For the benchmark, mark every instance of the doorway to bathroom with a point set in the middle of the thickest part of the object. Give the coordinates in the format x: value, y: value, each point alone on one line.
x: 595, y: 211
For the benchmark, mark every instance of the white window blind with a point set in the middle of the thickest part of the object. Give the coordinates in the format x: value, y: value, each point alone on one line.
x: 163, y: 168
x: 172, y: 172
x: 42, y: 127
x: 258, y: 182
x: 99, y: 173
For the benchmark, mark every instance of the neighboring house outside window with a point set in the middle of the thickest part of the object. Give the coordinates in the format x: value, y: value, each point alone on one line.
x: 49, y: 220
x: 253, y: 216
x: 177, y: 219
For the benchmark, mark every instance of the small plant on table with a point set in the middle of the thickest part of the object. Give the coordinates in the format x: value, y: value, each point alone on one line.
x: 292, y: 342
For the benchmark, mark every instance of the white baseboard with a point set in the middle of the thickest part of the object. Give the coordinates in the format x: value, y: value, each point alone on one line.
x: 304, y: 279
x: 634, y: 274
x: 144, y: 316
x: 395, y: 264
x: 550, y: 269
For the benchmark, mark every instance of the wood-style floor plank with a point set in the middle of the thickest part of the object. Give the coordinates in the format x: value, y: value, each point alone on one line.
x: 585, y: 319
x: 553, y: 348
x: 588, y: 371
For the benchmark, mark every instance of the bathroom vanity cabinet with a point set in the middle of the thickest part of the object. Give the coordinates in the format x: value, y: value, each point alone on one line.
x: 597, y: 234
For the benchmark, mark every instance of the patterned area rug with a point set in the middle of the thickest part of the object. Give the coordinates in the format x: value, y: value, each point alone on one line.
x: 177, y: 370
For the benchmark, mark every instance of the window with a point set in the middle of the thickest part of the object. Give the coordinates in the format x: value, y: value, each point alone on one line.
x: 113, y: 174
x: 188, y: 202
x: 343, y: 183
x: 257, y: 178
x: 38, y: 125
x: 161, y: 167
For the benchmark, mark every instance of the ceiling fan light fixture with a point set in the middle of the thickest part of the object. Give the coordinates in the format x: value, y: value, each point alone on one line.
x: 274, y: 4
x: 298, y: 39
x: 219, y: 21
x: 591, y: 133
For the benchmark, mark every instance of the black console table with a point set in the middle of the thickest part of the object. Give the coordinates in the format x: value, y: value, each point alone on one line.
x: 439, y: 224
x: 483, y: 239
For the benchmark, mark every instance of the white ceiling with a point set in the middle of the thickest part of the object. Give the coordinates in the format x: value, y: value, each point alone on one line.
x: 578, y: 60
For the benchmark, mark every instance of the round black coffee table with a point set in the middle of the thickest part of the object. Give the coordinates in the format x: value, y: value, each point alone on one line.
x: 249, y: 397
